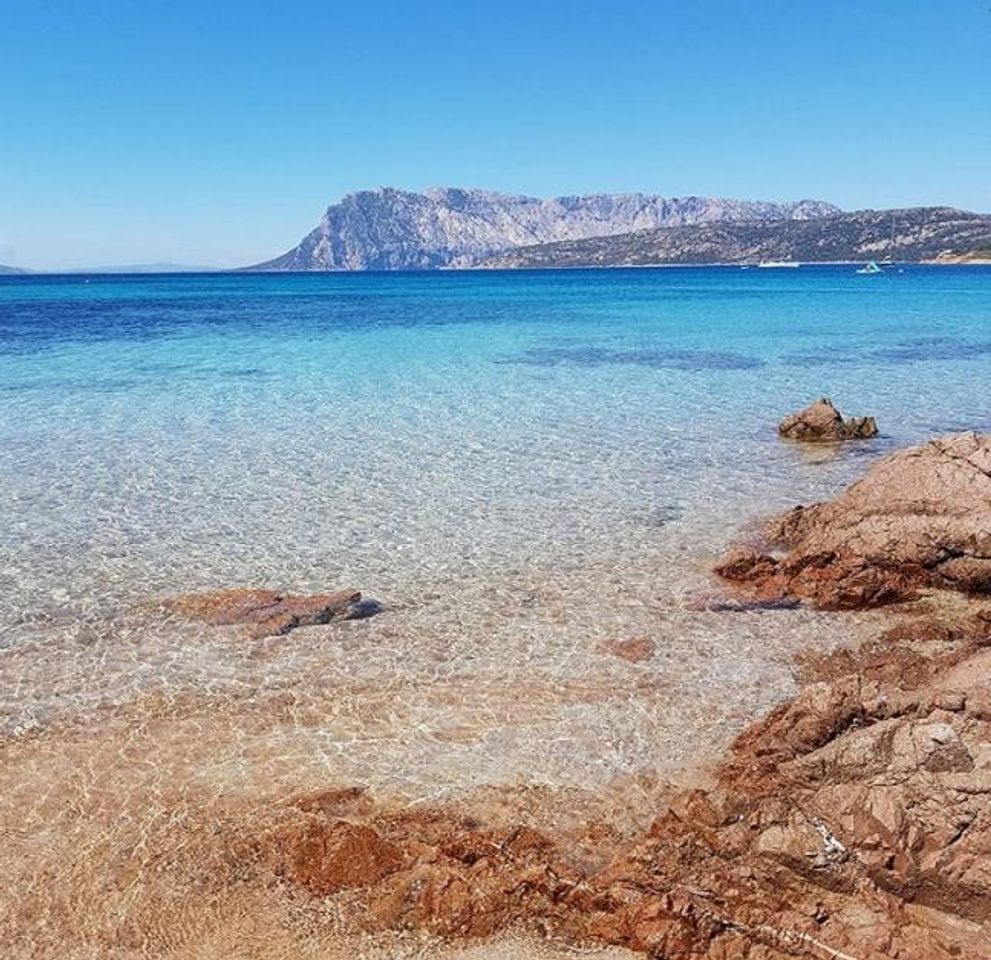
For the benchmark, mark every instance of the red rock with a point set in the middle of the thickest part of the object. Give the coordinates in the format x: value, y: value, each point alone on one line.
x: 821, y: 422
x: 266, y: 613
x: 327, y: 857
x: 346, y: 801
x: 745, y: 563
x: 919, y: 518
x: 634, y: 649
x: 854, y: 821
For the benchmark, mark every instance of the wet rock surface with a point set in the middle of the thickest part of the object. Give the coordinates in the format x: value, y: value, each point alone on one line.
x: 268, y: 613
x: 854, y: 821
x: 918, y: 518
x: 821, y: 422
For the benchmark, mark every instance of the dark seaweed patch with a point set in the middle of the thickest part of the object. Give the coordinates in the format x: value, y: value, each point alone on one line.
x: 912, y: 351
x: 659, y: 358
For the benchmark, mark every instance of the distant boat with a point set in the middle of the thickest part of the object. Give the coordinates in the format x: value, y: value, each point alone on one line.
x: 870, y: 267
x: 776, y: 264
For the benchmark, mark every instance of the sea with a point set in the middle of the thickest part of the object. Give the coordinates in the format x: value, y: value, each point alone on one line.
x: 523, y: 470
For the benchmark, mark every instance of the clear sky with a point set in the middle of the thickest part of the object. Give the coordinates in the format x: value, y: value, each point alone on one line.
x: 216, y: 131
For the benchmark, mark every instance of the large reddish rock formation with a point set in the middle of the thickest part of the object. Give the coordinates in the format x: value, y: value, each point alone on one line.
x: 854, y: 822
x: 921, y: 517
x: 267, y: 613
x: 821, y: 422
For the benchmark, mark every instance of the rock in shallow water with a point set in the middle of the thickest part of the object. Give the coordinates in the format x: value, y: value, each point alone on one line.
x: 821, y: 422
x: 634, y: 649
x: 852, y: 822
x: 919, y: 518
x: 269, y: 613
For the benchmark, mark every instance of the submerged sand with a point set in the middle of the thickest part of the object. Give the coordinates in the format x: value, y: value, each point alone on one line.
x: 145, y: 756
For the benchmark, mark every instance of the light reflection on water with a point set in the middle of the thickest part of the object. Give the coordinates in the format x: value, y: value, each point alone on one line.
x: 520, y: 467
x: 449, y: 444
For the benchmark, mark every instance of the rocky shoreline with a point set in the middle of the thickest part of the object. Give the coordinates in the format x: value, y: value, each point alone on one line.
x: 852, y: 822
x: 919, y: 518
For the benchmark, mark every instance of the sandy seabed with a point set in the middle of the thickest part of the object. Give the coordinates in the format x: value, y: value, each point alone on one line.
x: 146, y: 759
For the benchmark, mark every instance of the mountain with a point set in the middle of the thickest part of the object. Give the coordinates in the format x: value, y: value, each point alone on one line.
x: 391, y: 229
x: 922, y: 233
x: 8, y: 271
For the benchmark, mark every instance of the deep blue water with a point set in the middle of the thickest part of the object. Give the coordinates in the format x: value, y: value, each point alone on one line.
x: 183, y: 430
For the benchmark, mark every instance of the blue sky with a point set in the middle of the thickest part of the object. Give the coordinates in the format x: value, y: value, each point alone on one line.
x: 216, y: 132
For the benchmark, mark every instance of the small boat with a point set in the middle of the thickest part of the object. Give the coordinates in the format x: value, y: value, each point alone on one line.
x: 870, y: 267
x: 777, y: 264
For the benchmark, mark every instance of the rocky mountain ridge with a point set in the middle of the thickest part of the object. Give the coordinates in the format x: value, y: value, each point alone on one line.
x: 391, y: 229
x: 915, y: 234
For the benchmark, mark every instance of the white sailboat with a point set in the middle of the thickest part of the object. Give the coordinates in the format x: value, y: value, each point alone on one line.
x: 777, y: 264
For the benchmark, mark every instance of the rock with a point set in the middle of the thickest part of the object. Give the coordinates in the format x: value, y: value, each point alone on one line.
x: 919, y: 518
x: 634, y: 649
x: 745, y: 563
x: 327, y: 857
x: 268, y: 613
x: 853, y: 821
x: 338, y: 803
x: 821, y: 422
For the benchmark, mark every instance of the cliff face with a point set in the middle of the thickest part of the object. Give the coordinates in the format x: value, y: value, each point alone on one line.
x: 391, y: 229
x: 921, y: 233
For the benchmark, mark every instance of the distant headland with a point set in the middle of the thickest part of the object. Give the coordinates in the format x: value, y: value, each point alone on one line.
x: 452, y: 228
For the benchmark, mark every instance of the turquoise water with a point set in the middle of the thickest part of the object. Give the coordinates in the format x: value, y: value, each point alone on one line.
x: 517, y: 465
x: 164, y: 431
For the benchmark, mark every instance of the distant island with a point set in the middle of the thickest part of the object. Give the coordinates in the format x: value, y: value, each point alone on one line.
x: 453, y: 228
x: 390, y: 229
x: 144, y: 268
x: 449, y: 228
x: 118, y: 268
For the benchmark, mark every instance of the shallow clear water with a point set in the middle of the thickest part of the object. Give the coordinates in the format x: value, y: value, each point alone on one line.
x: 519, y: 466
x: 165, y: 433
x: 523, y: 468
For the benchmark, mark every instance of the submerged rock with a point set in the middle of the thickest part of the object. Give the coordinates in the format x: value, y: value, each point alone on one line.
x: 919, y: 518
x: 633, y: 649
x: 332, y: 855
x: 269, y: 613
x: 821, y: 422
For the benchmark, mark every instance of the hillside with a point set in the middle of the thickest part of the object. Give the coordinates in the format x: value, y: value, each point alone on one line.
x: 391, y: 229
x: 923, y: 233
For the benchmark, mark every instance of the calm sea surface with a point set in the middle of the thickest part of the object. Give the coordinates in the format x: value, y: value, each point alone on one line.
x: 519, y: 466
x: 162, y: 433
